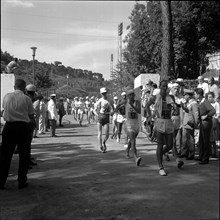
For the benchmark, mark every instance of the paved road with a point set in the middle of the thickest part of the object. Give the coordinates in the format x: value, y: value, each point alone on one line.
x: 74, y: 180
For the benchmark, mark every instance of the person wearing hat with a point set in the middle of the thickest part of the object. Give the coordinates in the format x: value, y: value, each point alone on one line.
x: 60, y: 110
x: 114, y: 117
x: 53, y: 115
x: 102, y: 111
x: 203, y: 85
x: 30, y: 91
x: 131, y: 126
x: 190, y: 122
x: 18, y: 113
x: 120, y: 110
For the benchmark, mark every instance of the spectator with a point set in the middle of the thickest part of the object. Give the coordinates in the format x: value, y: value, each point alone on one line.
x: 61, y: 110
x: 206, y: 111
x: 190, y: 122
x: 53, y: 116
x: 18, y: 113
x: 213, y: 87
x: 11, y: 66
x: 203, y: 85
x: 42, y: 115
x: 215, y: 127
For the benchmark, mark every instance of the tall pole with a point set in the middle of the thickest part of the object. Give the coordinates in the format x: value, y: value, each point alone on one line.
x: 120, y: 32
x: 111, y: 65
x: 33, y: 54
x: 33, y: 70
x: 67, y: 77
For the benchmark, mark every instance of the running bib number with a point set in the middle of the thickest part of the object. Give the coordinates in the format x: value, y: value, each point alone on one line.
x: 132, y: 114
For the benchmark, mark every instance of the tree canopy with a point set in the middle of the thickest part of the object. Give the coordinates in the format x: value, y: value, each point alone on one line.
x: 196, y: 33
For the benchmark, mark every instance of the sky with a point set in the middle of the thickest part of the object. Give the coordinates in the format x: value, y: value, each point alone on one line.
x: 80, y: 34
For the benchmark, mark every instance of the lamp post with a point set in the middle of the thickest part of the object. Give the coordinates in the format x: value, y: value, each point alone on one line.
x: 33, y: 54
x: 67, y: 77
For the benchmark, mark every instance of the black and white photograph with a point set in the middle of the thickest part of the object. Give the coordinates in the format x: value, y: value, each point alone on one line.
x: 110, y: 110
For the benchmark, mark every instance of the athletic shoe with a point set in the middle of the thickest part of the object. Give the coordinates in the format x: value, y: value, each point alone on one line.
x: 162, y: 172
x: 180, y: 163
x: 118, y: 140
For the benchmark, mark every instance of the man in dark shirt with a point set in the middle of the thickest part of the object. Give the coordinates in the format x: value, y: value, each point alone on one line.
x: 206, y: 111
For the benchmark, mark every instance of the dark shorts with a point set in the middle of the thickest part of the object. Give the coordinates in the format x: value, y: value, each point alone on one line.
x: 103, y: 119
x: 164, y: 139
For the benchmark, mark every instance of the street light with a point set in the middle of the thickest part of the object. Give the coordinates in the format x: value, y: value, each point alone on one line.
x: 67, y: 77
x: 33, y: 54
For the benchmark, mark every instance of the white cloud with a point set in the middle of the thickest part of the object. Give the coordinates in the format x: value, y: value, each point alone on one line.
x: 20, y: 3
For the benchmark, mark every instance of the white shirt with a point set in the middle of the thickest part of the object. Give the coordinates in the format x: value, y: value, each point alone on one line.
x: 204, y: 86
x: 52, y: 110
x: 216, y: 106
x: 17, y: 107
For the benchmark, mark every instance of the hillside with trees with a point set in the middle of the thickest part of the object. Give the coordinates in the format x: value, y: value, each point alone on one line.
x: 65, y: 81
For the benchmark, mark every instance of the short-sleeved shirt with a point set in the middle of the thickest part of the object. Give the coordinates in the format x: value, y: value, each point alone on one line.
x: 17, y: 107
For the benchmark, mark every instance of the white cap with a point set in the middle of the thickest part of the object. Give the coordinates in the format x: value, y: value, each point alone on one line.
x: 53, y: 95
x: 175, y: 85
x: 179, y: 80
x: 123, y: 93
x: 87, y: 97
x: 31, y: 88
x: 103, y: 90
x: 115, y: 97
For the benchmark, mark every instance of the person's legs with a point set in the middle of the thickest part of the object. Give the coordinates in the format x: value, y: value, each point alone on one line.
x: 53, y: 127
x: 23, y: 146
x: 106, y: 128
x: 206, y: 138
x: 99, y: 126
x: 119, y: 128
x: 180, y: 163
x: 184, y: 149
x: 191, y: 143
x: 9, y: 139
x: 132, y: 145
x: 167, y: 140
x: 80, y: 118
x: 114, y: 129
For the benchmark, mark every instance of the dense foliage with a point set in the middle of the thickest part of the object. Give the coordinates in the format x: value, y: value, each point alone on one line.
x: 196, y: 33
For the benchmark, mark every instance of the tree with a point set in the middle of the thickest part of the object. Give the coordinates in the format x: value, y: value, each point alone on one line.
x: 167, y: 45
